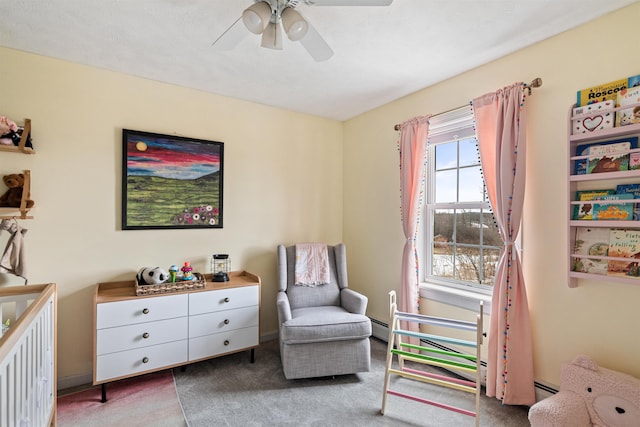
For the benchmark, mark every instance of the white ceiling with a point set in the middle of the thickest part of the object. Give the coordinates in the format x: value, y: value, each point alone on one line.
x: 381, y: 53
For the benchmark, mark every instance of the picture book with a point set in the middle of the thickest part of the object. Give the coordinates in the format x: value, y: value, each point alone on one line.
x: 624, y: 244
x: 592, y: 117
x: 584, y: 211
x: 583, y: 150
x: 609, y: 208
x: 628, y: 116
x: 634, y: 190
x: 594, y: 242
x: 604, y: 91
x: 634, y: 160
x: 608, y: 158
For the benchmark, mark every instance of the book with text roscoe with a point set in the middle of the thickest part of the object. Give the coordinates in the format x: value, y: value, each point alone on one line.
x: 623, y: 244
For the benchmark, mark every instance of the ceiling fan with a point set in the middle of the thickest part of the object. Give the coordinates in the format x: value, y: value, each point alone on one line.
x: 270, y: 17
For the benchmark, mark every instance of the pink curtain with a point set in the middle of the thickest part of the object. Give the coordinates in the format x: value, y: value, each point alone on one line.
x: 413, y: 149
x: 500, y: 124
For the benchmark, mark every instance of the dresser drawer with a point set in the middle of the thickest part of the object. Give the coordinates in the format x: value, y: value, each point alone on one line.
x: 223, y: 299
x: 125, y: 363
x: 140, y: 310
x: 111, y: 340
x: 221, y: 321
x: 224, y: 342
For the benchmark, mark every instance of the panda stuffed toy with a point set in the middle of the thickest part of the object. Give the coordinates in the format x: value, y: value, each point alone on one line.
x: 151, y: 276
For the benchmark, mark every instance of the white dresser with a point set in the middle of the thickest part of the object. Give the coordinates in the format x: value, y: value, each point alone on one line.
x: 141, y: 334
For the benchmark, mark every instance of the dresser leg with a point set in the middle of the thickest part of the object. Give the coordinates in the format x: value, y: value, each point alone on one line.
x: 253, y: 355
x: 104, y: 392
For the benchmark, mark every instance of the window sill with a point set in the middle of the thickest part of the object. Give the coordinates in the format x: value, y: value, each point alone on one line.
x: 455, y: 297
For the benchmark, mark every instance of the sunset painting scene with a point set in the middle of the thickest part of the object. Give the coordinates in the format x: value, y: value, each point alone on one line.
x: 171, y: 182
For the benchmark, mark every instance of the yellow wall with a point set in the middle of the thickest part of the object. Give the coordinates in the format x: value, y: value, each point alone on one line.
x: 282, y: 184
x: 292, y: 177
x: 597, y: 318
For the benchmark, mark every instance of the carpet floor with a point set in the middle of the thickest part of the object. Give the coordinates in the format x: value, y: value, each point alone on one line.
x: 148, y: 400
x: 230, y: 391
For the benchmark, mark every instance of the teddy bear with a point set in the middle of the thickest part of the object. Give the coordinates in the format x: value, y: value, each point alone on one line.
x: 590, y: 395
x: 13, y: 196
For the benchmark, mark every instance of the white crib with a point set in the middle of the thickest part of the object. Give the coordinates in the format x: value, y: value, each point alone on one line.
x: 28, y: 356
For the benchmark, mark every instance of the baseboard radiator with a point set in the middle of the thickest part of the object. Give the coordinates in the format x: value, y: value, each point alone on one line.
x: 380, y: 330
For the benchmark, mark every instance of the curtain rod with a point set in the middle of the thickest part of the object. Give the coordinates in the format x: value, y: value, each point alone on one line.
x: 537, y: 82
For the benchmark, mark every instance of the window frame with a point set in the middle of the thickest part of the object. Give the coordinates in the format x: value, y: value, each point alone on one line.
x: 454, y: 126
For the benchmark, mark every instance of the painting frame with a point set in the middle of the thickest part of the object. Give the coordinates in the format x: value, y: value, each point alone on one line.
x: 171, y: 182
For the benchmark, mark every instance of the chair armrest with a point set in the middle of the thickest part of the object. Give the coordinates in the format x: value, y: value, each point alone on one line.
x: 353, y: 301
x: 284, y: 309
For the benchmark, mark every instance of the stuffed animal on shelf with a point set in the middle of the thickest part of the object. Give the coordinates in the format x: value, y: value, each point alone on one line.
x: 152, y: 276
x: 13, y: 196
x: 590, y: 396
x: 11, y: 133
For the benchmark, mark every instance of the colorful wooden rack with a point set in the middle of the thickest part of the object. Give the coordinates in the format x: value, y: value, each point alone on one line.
x: 455, y: 361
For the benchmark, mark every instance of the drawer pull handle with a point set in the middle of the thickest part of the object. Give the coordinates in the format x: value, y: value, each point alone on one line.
x: 226, y: 342
x: 145, y: 360
x: 145, y: 335
x: 226, y: 321
x: 145, y: 311
x: 227, y: 299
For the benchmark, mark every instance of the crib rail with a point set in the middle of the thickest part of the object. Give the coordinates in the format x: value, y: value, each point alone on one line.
x: 27, y: 356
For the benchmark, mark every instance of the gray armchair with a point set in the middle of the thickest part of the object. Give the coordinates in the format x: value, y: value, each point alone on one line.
x: 323, y: 330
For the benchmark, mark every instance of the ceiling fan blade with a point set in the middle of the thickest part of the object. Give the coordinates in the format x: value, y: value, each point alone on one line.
x: 348, y: 2
x: 315, y: 45
x: 232, y: 36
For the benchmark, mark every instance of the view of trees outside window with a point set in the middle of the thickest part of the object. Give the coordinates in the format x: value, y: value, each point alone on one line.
x: 465, y: 242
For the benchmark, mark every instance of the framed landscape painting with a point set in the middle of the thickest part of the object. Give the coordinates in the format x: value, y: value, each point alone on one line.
x: 170, y: 181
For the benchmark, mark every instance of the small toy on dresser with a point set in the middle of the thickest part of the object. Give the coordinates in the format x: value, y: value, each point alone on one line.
x: 151, y: 276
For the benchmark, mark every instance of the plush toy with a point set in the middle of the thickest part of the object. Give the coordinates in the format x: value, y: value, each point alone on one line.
x: 13, y: 196
x: 151, y: 276
x: 590, y: 396
x: 11, y: 133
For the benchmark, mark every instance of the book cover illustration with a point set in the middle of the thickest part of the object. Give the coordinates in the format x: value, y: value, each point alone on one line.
x: 634, y: 190
x: 604, y: 91
x: 593, y: 117
x: 613, y: 211
x: 628, y: 116
x: 583, y: 150
x: 608, y: 158
x: 584, y: 211
x: 624, y: 244
x: 594, y: 242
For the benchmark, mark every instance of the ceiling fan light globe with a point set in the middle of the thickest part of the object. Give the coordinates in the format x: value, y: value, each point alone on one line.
x: 256, y: 17
x: 272, y: 37
x: 294, y: 24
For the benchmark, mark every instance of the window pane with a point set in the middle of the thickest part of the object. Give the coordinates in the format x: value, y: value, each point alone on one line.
x: 468, y: 227
x: 443, y: 226
x: 446, y: 155
x: 490, y: 234
x: 468, y: 264
x: 490, y: 259
x: 471, y: 185
x: 469, y: 153
x: 442, y: 260
x: 446, y: 182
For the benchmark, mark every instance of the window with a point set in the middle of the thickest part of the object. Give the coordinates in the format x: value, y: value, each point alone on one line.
x: 462, y: 239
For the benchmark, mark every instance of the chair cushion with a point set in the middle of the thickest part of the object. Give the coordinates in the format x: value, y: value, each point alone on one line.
x: 325, y: 323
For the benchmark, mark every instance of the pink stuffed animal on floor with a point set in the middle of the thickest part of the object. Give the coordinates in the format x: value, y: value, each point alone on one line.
x: 590, y: 396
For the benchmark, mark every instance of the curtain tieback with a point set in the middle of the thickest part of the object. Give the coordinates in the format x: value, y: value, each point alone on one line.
x: 512, y: 246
